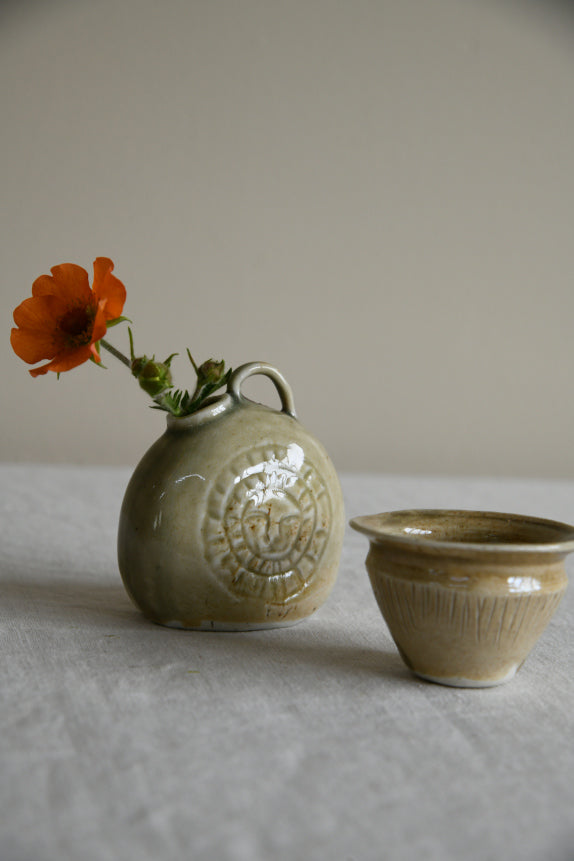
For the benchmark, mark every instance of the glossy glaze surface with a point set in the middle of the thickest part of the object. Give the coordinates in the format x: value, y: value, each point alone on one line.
x: 234, y: 518
x: 465, y: 594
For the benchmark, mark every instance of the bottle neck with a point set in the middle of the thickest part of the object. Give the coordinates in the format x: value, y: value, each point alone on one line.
x: 214, y: 408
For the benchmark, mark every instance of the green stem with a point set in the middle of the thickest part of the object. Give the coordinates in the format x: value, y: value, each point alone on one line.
x: 115, y: 352
x: 162, y: 400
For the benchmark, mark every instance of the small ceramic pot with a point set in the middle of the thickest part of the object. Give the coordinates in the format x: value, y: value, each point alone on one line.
x: 233, y: 520
x: 465, y: 594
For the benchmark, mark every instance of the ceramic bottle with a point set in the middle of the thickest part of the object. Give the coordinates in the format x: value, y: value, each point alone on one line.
x: 234, y: 518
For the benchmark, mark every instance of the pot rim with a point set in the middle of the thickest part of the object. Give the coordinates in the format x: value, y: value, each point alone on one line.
x: 213, y: 407
x: 391, y: 527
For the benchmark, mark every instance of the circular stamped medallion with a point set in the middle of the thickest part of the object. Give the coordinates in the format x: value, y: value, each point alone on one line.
x: 267, y: 522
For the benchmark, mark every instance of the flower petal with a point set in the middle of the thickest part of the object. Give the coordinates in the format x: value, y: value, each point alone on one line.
x: 100, y: 328
x: 44, y: 286
x: 109, y: 288
x: 33, y: 346
x: 69, y: 359
x: 43, y: 369
x: 65, y: 361
x: 39, y: 312
x: 68, y: 281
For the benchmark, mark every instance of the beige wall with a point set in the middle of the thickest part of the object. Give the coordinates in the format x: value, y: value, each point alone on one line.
x: 377, y: 197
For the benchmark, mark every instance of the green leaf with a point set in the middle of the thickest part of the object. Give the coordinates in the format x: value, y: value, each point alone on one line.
x: 111, y: 323
x: 181, y: 403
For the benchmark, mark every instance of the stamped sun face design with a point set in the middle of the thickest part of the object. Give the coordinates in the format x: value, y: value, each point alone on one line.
x: 267, y: 522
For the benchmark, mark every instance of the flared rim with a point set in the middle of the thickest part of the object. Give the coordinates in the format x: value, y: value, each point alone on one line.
x: 460, y: 530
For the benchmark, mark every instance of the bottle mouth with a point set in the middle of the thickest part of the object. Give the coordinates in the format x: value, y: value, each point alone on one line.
x: 213, y: 407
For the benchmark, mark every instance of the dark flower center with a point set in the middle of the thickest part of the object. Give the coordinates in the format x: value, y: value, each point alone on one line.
x: 77, y: 324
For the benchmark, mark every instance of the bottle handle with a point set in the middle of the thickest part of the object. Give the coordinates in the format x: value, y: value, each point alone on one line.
x: 241, y: 373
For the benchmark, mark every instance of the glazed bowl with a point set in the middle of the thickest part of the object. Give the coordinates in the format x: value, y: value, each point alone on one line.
x: 465, y: 594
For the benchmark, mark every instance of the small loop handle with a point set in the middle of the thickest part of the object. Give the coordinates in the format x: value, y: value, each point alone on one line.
x: 240, y: 374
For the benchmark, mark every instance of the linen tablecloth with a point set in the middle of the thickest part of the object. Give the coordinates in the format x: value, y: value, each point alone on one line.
x: 124, y: 740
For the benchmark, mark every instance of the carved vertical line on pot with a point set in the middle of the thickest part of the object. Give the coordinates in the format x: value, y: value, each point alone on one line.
x: 489, y: 622
x: 526, y: 610
x: 437, y: 595
x: 427, y: 604
x: 489, y: 602
x: 412, y: 607
x: 423, y: 605
x: 530, y: 607
x: 463, y: 616
x: 443, y: 604
x: 383, y: 593
x: 522, y: 602
x: 434, y: 602
x: 405, y: 603
x: 452, y: 613
x: 398, y: 606
x: 396, y: 603
x: 455, y: 611
x: 478, y: 614
x: 421, y: 596
x: 501, y: 623
x: 437, y: 603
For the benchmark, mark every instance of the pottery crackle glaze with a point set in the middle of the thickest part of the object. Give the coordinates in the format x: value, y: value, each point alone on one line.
x: 234, y: 518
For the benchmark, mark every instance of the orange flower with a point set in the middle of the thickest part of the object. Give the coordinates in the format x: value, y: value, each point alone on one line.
x: 65, y: 318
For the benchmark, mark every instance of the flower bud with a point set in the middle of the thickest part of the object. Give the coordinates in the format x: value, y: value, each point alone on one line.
x: 211, y: 373
x: 154, y: 377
